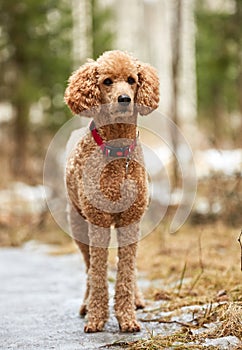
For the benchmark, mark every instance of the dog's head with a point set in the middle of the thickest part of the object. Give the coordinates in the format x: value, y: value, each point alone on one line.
x: 117, y: 81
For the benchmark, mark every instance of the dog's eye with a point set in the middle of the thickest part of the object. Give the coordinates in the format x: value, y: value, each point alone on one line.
x: 131, y: 80
x: 108, y: 82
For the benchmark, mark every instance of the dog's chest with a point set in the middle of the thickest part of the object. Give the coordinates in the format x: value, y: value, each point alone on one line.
x: 113, y: 178
x: 118, y: 176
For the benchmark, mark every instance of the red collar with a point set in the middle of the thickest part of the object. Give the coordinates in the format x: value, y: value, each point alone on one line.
x: 111, y: 151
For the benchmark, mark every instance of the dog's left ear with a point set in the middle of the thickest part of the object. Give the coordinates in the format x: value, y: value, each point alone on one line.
x: 147, y: 97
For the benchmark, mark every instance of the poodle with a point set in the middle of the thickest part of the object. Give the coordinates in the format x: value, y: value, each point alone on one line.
x: 106, y: 179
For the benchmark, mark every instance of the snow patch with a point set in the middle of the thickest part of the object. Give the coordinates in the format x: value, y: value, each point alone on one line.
x: 224, y: 343
x: 227, y: 162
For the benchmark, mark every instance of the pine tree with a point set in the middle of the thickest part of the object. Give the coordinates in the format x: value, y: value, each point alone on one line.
x: 219, y: 70
x: 34, y: 61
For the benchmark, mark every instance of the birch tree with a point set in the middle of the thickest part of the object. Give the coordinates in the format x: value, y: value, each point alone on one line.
x: 176, y: 31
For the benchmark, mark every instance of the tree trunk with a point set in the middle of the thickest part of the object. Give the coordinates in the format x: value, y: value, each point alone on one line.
x: 238, y: 19
x: 82, y: 31
x: 21, y: 130
x: 175, y: 42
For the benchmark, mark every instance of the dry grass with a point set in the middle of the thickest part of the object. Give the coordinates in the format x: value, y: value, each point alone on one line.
x: 228, y: 318
x: 225, y: 192
x: 209, y: 255
x: 197, y: 266
x: 231, y: 322
x: 23, y: 229
x: 200, y: 265
x: 181, y: 340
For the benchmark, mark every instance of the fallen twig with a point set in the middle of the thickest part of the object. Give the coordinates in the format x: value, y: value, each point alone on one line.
x: 116, y: 343
x: 208, y: 310
x: 182, y: 278
x: 160, y: 320
x: 239, y: 240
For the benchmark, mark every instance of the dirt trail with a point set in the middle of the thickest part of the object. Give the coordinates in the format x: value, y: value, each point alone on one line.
x: 40, y: 295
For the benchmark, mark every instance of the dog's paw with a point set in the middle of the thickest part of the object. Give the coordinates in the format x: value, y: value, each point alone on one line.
x: 83, y: 310
x: 139, y: 304
x: 129, y: 326
x: 92, y: 327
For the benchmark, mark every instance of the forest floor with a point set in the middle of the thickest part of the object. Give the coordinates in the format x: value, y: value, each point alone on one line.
x: 191, y: 281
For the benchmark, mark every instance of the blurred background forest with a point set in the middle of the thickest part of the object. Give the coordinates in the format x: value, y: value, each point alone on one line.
x: 196, y: 47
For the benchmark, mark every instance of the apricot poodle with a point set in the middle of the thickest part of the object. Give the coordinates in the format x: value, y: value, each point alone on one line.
x: 106, y: 179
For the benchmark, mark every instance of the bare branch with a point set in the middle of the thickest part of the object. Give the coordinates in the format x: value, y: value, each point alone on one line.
x: 160, y: 320
x: 200, y: 263
x: 182, y: 278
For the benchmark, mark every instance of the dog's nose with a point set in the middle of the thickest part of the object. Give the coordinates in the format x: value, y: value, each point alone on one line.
x: 124, y: 100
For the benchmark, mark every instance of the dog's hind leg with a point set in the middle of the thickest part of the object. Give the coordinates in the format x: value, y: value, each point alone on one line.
x: 79, y: 227
x: 84, y: 248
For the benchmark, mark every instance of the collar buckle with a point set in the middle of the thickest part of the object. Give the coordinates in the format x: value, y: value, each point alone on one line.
x: 112, y: 151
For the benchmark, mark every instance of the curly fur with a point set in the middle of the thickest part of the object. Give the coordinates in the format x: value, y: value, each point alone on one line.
x: 100, y: 189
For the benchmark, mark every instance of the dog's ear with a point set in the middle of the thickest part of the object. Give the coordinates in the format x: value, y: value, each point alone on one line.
x: 82, y: 93
x: 147, y: 97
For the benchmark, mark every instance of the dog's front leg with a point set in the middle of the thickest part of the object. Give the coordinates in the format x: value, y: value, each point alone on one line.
x: 125, y: 285
x: 98, y: 297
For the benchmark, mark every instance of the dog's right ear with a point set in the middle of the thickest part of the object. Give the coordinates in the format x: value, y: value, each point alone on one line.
x: 82, y: 93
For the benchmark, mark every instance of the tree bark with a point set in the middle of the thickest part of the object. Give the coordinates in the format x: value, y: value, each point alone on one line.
x: 175, y: 43
x: 82, y: 31
x: 238, y: 19
x: 18, y: 161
